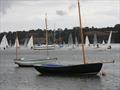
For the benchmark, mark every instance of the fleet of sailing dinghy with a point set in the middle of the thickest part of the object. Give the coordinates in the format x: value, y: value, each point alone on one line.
x: 108, y: 45
x: 31, y: 62
x: 86, y: 68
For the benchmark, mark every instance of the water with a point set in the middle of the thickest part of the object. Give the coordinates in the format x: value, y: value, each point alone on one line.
x: 13, y: 77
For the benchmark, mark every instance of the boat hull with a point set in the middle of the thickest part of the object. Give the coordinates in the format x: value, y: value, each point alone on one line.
x: 30, y: 63
x: 91, y: 68
x: 44, y: 48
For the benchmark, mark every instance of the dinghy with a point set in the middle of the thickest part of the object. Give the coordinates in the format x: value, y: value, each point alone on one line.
x: 30, y: 62
x: 45, y: 47
x: 85, y: 68
x: 87, y: 42
x: 17, y: 45
x: 70, y: 42
x: 103, y: 42
x: 4, y: 43
x: 76, y: 42
x: 91, y: 68
x: 109, y: 41
x: 30, y: 43
x: 95, y: 42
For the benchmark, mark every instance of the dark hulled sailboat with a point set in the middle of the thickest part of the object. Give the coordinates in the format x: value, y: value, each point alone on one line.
x: 91, y: 68
x: 86, y: 68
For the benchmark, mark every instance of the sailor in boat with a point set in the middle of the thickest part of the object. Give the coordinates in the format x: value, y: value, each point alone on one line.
x: 109, y: 47
x: 98, y: 46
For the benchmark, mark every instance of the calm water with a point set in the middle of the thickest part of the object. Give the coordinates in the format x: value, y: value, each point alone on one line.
x: 13, y: 77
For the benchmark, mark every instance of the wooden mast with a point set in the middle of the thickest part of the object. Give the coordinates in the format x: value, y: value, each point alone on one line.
x: 54, y: 35
x: 81, y: 34
x: 46, y: 32
x: 16, y: 46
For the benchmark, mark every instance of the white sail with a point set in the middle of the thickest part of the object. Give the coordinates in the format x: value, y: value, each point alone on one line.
x: 25, y: 43
x: 70, y: 40
x: 17, y: 41
x: 95, y: 40
x: 103, y: 42
x: 4, y: 42
x: 109, y: 39
x: 30, y: 43
x: 87, y: 42
x: 76, y: 41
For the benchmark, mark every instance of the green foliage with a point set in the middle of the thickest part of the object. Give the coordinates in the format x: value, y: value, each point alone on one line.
x: 60, y: 36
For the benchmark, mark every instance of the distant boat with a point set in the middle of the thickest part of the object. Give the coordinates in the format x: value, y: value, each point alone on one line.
x: 87, y: 42
x: 95, y: 42
x: 26, y: 42
x: 70, y: 41
x: 46, y: 46
x: 43, y: 47
x: 76, y: 42
x: 17, y: 43
x: 30, y: 43
x: 4, y: 43
x: 103, y: 42
x: 109, y: 41
x: 86, y: 68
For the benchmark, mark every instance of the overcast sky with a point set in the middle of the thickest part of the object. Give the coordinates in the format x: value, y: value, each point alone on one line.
x: 19, y: 15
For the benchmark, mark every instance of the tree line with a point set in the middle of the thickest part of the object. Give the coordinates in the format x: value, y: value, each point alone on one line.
x: 60, y: 36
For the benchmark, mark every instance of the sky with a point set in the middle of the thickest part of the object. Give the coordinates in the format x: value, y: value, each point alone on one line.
x: 24, y: 15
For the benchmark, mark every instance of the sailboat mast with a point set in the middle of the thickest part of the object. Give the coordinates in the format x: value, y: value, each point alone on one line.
x: 16, y: 46
x: 54, y: 34
x: 46, y: 32
x: 81, y: 34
